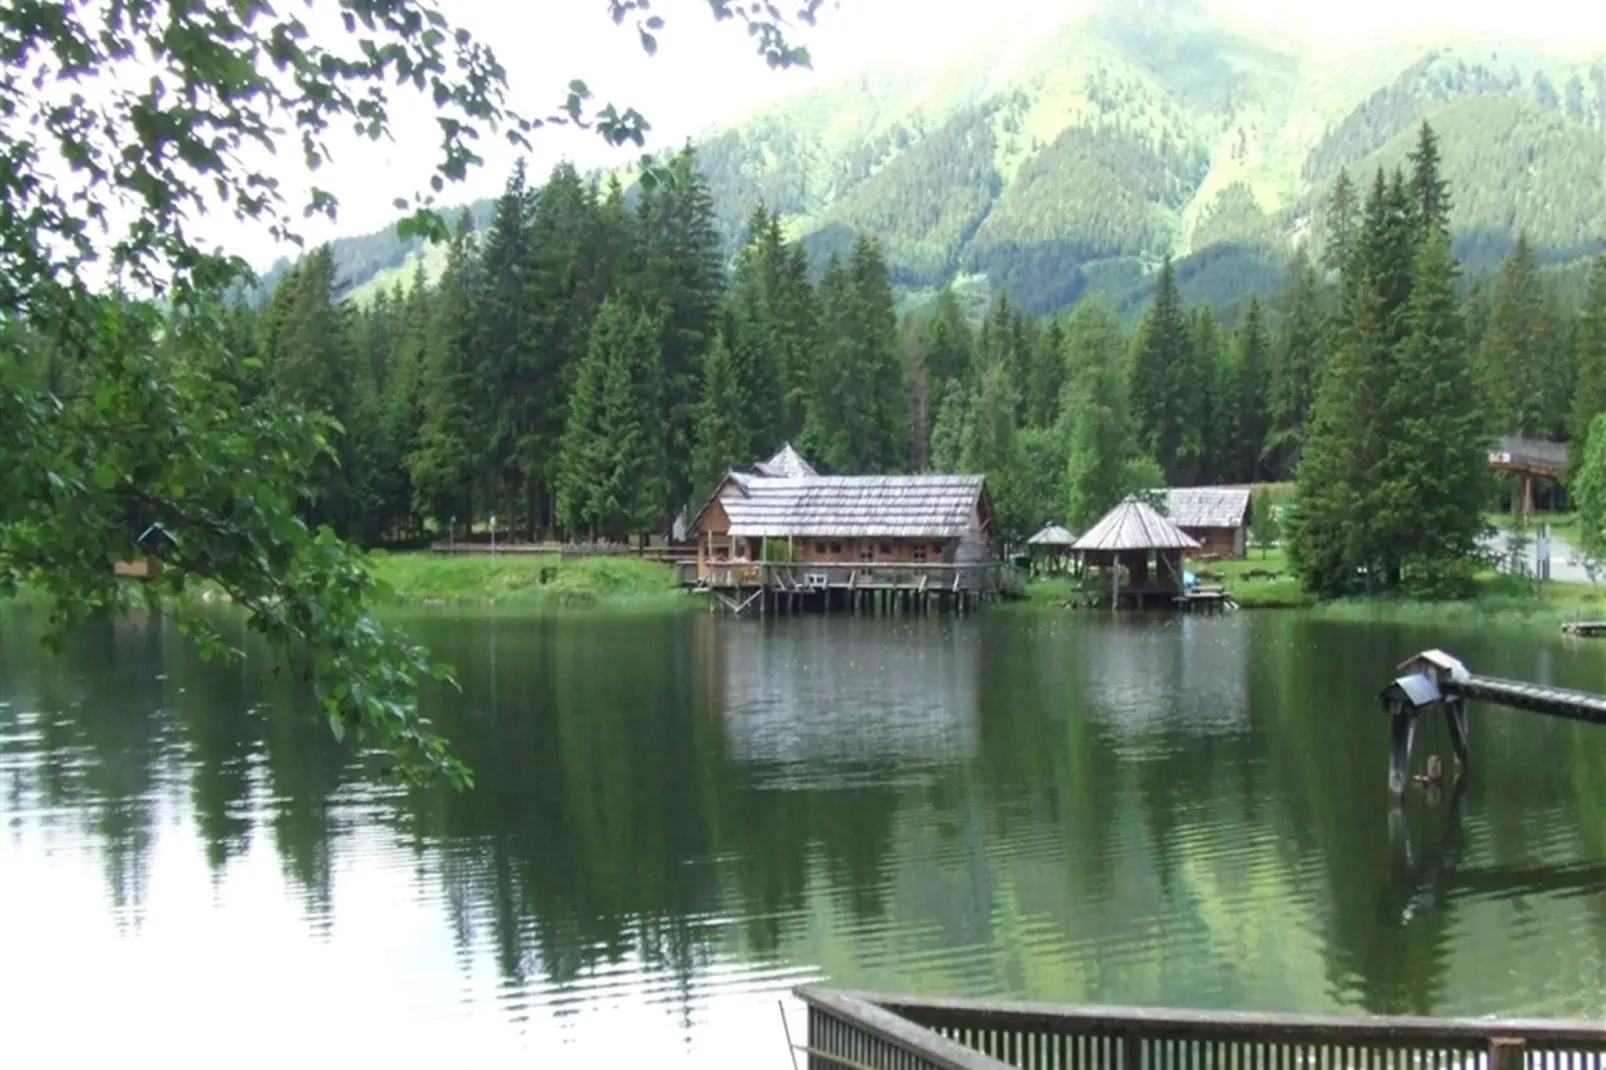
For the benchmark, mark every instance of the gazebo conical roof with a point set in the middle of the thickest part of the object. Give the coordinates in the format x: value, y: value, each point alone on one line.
x: 1134, y: 525
x: 1052, y: 535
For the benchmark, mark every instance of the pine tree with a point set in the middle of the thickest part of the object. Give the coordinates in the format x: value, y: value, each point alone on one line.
x: 1164, y: 384
x: 502, y: 327
x: 1047, y: 381
x: 447, y: 467
x: 949, y: 342
x: 917, y: 385
x: 1430, y: 193
x: 1589, y: 491
x: 1100, y: 440
x: 1589, y: 398
x: 1433, y: 476
x: 948, y: 432
x: 680, y: 282
x: 1514, y: 358
x: 1214, y: 408
x: 988, y: 445
x: 1296, y: 361
x: 721, y: 443
x: 1250, y: 391
x: 1340, y: 223
x: 612, y: 477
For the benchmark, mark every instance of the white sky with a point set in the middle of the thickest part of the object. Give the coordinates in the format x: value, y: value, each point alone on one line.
x: 706, y: 73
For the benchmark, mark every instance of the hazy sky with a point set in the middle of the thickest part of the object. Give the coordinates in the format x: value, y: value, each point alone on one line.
x: 705, y: 73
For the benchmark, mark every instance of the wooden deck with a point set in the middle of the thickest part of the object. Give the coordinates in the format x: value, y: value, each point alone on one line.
x: 861, y: 1031
x: 791, y: 587
x: 1533, y: 698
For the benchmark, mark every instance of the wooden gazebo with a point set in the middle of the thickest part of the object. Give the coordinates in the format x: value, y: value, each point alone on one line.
x: 1137, y: 553
x: 1050, y: 547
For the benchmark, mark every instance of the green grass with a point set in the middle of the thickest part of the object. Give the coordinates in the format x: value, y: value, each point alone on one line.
x: 1560, y: 523
x: 515, y: 580
x: 1281, y: 592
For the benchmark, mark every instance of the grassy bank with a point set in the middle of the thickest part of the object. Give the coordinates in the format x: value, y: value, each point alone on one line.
x: 515, y: 580
x: 1264, y: 581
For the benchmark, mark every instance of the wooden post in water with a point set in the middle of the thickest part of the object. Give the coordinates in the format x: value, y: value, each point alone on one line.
x: 1455, y: 712
x: 1402, y: 724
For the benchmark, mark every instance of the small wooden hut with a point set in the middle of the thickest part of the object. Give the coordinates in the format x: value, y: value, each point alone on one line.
x: 1217, y: 518
x: 1137, y: 554
x: 1050, y: 548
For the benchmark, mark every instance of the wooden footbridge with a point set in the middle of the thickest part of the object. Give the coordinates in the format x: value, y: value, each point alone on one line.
x: 1434, y: 678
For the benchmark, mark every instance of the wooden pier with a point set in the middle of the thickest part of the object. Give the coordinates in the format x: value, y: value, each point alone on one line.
x: 860, y: 1031
x: 1434, y: 678
x: 766, y: 587
x: 1585, y: 629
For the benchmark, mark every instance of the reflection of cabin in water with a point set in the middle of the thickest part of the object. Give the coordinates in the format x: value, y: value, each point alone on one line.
x: 783, y: 537
x: 1138, y: 554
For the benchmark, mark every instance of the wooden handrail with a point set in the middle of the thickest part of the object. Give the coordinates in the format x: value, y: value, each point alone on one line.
x: 892, y: 1032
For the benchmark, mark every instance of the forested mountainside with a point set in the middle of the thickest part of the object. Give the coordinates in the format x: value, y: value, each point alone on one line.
x: 1074, y: 162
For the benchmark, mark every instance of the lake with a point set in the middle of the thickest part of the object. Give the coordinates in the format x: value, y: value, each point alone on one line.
x: 679, y: 818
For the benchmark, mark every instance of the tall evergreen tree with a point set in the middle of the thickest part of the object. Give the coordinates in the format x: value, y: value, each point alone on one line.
x: 447, y: 463
x: 989, y: 447
x: 1518, y: 357
x: 1430, y: 193
x: 949, y: 341
x: 1589, y: 397
x: 1164, y: 383
x: 721, y: 440
x: 917, y: 385
x: 948, y: 432
x: 1214, y: 408
x: 1101, y: 441
x: 612, y: 477
x: 1296, y: 361
x: 1339, y: 225
x: 1047, y: 381
x: 680, y: 282
x: 1433, y: 478
x: 1251, y: 390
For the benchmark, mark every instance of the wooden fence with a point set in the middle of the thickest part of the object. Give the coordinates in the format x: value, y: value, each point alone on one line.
x: 859, y: 1031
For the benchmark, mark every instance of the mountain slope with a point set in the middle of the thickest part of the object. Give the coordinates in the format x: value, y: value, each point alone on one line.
x: 1073, y: 161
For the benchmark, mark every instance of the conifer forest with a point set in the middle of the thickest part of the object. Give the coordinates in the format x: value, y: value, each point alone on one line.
x: 590, y: 363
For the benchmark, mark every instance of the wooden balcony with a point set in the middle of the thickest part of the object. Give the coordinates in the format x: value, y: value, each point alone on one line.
x: 987, y: 578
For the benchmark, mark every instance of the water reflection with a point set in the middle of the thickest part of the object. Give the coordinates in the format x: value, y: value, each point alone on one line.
x: 691, y: 814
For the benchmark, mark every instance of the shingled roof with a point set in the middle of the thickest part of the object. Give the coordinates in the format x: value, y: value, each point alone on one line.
x: 787, y: 462
x: 1134, y: 525
x: 1207, y: 507
x: 894, y: 507
x: 1052, y: 535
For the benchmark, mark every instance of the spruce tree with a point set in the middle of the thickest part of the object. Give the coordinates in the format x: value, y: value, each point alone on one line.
x: 1251, y: 391
x: 1214, y: 409
x: 989, y: 447
x: 948, y: 432
x: 1339, y: 226
x: 721, y: 443
x: 1430, y: 193
x: 1517, y: 351
x: 448, y: 463
x: 917, y: 385
x: 1589, y: 491
x: 949, y: 342
x: 1589, y: 397
x: 1100, y: 440
x: 1296, y: 361
x: 1047, y: 381
x: 1433, y: 476
x: 1165, y: 384
x: 680, y: 282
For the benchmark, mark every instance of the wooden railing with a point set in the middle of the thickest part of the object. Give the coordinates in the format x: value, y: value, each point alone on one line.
x: 874, y: 1032
x: 866, y: 575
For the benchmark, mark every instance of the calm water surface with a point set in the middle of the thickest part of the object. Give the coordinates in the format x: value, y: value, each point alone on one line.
x: 680, y: 818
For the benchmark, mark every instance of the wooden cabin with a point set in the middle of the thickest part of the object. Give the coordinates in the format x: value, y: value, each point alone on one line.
x: 1133, y: 556
x: 1217, y: 518
x: 784, y: 526
x: 1530, y: 460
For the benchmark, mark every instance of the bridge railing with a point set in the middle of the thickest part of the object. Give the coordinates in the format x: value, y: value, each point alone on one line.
x: 876, y: 1032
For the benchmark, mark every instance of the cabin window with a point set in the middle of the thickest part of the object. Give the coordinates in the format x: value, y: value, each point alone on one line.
x: 936, y: 549
x: 836, y: 547
x: 920, y: 553
x: 885, y: 549
x: 866, y: 552
x: 819, y: 547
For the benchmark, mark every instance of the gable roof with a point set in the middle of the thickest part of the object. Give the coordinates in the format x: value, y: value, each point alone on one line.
x: 1207, y: 507
x: 1134, y: 525
x: 906, y: 507
x: 787, y: 462
x: 1052, y: 535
